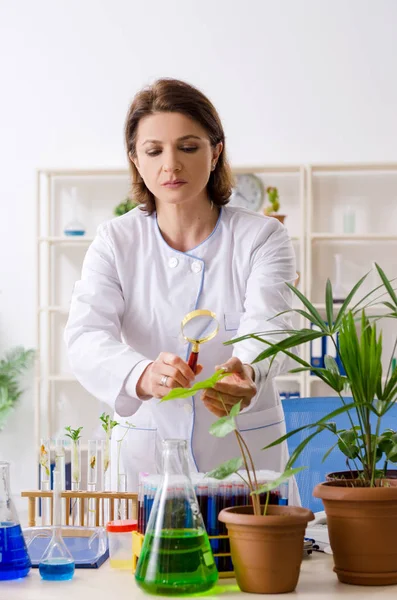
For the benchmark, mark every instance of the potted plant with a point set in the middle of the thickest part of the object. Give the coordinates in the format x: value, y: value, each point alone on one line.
x: 274, y: 204
x: 124, y: 207
x: 266, y: 541
x: 12, y: 366
x: 361, y: 508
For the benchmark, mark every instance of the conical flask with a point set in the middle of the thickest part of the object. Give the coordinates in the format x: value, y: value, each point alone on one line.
x: 176, y: 556
x: 14, y: 558
x: 57, y: 563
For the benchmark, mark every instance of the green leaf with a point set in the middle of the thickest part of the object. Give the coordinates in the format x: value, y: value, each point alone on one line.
x: 349, y: 450
x: 272, y: 485
x: 387, y: 284
x: 73, y: 434
x: 223, y: 426
x: 201, y: 385
x: 346, y: 303
x: 331, y: 364
x: 227, y: 468
x: 234, y: 411
x: 349, y: 436
x: 329, y: 303
x: 298, y: 450
x: 312, y: 310
x: 302, y: 337
x: 392, y: 454
x: 329, y: 451
x: 331, y: 415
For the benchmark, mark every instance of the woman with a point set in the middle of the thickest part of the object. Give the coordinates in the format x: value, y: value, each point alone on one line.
x: 182, y: 249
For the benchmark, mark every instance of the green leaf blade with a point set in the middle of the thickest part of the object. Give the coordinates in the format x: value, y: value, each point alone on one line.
x: 223, y: 426
x: 227, y: 468
x: 272, y: 485
x: 201, y: 385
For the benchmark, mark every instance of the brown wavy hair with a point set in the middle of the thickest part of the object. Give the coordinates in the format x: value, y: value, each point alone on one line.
x: 173, y: 95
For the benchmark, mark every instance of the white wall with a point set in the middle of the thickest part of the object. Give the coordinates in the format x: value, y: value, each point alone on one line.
x: 294, y: 81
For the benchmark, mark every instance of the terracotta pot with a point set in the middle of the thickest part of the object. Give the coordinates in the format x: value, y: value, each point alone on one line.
x: 352, y: 475
x: 280, y: 218
x: 362, y: 526
x: 266, y: 551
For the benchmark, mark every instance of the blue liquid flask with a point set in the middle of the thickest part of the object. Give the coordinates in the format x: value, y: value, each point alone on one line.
x: 57, y: 563
x: 14, y: 559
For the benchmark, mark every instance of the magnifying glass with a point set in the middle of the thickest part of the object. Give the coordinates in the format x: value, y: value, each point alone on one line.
x: 198, y: 326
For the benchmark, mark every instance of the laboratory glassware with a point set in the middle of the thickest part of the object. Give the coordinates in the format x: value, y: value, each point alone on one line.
x: 176, y: 556
x: 14, y: 559
x: 57, y: 563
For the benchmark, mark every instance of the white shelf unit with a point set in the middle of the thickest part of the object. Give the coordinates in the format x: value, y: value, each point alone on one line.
x: 370, y: 190
x: 60, y: 399
x: 312, y: 197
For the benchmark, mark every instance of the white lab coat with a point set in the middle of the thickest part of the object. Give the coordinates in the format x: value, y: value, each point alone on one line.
x: 128, y: 306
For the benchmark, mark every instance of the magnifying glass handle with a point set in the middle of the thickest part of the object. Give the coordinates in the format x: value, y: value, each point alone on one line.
x: 192, y: 362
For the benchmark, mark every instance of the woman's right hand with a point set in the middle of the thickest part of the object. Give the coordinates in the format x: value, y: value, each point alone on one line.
x: 168, y: 371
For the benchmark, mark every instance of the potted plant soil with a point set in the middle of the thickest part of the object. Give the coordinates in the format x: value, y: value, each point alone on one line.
x: 361, y: 506
x: 266, y: 541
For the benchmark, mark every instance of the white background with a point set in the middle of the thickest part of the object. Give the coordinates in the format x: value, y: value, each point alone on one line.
x: 294, y: 82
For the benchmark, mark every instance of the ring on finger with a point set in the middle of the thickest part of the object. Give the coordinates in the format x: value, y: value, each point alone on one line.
x: 163, y: 380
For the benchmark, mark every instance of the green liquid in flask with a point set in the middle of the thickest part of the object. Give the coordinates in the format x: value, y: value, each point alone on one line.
x: 178, y: 561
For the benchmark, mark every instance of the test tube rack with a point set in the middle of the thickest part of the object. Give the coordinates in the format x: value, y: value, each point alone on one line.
x: 82, y: 498
x: 137, y: 543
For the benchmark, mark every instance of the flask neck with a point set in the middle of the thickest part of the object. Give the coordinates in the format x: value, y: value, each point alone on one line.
x: 4, y: 481
x: 175, y: 461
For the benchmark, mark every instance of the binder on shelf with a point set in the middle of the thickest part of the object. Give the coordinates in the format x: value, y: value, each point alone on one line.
x: 316, y: 351
x: 289, y: 395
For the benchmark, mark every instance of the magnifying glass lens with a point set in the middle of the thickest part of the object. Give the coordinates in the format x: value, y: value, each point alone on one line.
x: 198, y: 327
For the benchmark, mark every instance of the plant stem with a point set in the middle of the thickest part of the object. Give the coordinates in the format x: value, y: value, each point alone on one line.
x: 266, y: 503
x: 254, y: 498
x: 250, y: 458
x: 374, y: 452
x: 352, y: 424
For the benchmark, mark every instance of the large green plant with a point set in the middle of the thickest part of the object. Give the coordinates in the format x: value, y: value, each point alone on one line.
x: 360, y: 353
x: 12, y: 366
x: 225, y: 426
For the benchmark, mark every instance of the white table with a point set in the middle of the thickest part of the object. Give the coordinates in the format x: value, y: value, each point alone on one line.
x: 317, y: 582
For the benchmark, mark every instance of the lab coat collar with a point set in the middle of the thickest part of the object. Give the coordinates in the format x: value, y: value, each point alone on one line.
x: 197, y: 250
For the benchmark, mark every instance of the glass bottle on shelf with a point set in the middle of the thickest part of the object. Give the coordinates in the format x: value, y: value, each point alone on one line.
x: 349, y: 219
x: 14, y: 559
x: 176, y: 556
x: 74, y: 227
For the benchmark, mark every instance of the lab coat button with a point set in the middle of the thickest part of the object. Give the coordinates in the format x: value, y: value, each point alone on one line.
x: 188, y: 408
x: 196, y: 266
x: 173, y: 262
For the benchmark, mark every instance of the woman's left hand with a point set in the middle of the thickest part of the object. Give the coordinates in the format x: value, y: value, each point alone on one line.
x: 233, y: 388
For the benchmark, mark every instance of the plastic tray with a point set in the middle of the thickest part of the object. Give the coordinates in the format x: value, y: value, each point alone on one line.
x: 87, y: 545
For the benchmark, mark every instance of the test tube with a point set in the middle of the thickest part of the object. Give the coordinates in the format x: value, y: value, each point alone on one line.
x: 202, y: 499
x: 60, y: 467
x: 45, y: 477
x: 121, y: 510
x: 92, y: 478
x: 106, y: 476
x: 76, y: 480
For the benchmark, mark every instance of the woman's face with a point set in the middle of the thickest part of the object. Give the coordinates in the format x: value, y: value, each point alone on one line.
x: 174, y: 157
